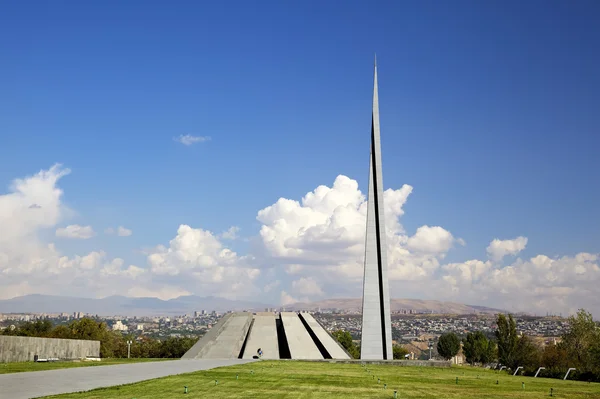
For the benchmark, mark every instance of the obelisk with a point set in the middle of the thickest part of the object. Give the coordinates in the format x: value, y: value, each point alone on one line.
x: 376, y: 342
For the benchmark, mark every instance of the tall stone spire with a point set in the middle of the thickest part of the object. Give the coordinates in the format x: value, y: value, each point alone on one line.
x: 376, y: 342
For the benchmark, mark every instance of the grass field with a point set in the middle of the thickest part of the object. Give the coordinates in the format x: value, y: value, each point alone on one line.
x: 296, y: 379
x: 20, y: 367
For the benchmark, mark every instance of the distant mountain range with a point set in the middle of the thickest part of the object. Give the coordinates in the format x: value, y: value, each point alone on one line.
x: 418, y: 305
x: 124, y: 306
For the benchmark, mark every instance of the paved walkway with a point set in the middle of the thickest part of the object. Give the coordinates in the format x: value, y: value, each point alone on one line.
x: 52, y: 382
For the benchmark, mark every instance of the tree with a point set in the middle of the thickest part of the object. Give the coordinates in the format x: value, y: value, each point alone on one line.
x: 478, y: 348
x: 582, y: 336
x: 448, y: 345
x: 345, y: 339
x: 506, y: 335
x: 38, y: 328
x: 399, y: 352
x: 554, y: 358
x: 527, y: 354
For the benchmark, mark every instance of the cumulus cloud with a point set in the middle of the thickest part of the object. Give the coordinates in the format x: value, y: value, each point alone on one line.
x: 231, y: 233
x: 538, y: 284
x: 271, y: 286
x: 287, y: 299
x: 306, y: 249
x: 123, y: 232
x: 29, y: 265
x: 323, y: 235
x: 307, y: 286
x: 196, y: 258
x: 76, y: 231
x: 498, y: 249
x: 188, y: 139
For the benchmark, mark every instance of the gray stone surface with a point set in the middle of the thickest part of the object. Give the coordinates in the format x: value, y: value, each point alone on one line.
x: 53, y: 382
x: 331, y: 345
x: 224, y: 340
x: 376, y: 317
x: 23, y: 349
x: 263, y: 335
x: 299, y: 341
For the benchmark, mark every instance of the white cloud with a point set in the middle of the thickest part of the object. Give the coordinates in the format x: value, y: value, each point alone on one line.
x: 305, y: 250
x: 188, y: 139
x: 120, y: 231
x: 231, y: 233
x: 323, y: 235
x: 272, y: 285
x: 498, y: 249
x: 29, y: 265
x: 431, y: 240
x: 76, y: 231
x: 165, y: 292
x: 198, y: 260
x: 123, y: 232
x: 539, y: 284
x: 287, y: 299
x: 307, y: 286
x: 33, y: 203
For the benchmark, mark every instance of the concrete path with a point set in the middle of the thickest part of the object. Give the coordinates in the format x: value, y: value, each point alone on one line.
x: 35, y: 384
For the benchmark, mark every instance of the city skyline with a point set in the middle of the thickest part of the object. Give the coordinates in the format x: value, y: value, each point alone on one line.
x: 155, y: 159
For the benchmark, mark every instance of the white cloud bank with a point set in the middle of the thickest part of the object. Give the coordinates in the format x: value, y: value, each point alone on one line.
x: 307, y: 249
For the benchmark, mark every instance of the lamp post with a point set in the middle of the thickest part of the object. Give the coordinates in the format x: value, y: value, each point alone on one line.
x: 129, y: 348
x: 538, y: 371
x: 568, y: 371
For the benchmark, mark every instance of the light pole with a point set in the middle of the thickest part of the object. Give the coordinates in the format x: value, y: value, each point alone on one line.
x: 538, y: 371
x: 568, y: 371
x: 430, y: 348
x: 129, y: 348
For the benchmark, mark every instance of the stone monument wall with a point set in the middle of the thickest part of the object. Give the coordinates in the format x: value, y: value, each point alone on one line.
x: 23, y: 349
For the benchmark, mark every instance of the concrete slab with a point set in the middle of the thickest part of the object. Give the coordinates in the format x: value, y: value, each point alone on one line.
x: 53, y: 382
x: 224, y: 340
x: 331, y: 345
x: 299, y: 341
x: 263, y: 335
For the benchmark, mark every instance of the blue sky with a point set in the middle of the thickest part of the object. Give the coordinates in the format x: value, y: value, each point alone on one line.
x: 488, y: 109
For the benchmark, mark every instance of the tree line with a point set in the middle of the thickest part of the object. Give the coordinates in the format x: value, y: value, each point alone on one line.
x: 345, y: 339
x: 579, y: 347
x: 113, y: 344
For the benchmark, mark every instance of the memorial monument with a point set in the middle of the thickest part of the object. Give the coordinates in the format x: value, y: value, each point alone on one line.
x: 376, y: 341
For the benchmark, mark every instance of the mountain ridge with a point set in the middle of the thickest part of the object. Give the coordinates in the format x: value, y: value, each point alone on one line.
x: 151, y: 306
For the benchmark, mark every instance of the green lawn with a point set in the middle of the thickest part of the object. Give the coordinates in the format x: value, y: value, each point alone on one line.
x: 19, y: 367
x: 297, y: 379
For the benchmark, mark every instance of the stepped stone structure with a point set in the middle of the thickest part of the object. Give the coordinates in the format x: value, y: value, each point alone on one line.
x: 376, y: 340
x: 287, y: 335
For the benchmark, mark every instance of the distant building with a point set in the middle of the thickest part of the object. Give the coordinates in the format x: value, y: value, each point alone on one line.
x: 119, y: 326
